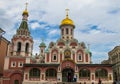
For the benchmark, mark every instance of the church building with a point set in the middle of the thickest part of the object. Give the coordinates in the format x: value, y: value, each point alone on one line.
x: 66, y: 60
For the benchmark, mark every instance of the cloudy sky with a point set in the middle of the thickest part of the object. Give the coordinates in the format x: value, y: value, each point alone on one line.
x: 97, y: 22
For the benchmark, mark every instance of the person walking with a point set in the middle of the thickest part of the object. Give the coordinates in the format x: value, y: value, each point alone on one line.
x: 99, y: 82
x: 75, y: 78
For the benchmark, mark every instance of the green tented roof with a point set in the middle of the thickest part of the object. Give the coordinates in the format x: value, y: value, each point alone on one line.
x: 23, y: 25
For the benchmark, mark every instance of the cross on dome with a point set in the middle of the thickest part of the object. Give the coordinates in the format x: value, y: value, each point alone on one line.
x: 26, y: 5
x: 67, y: 13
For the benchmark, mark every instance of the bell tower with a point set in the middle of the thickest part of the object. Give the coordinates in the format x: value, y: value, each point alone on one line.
x: 67, y: 28
x: 22, y: 42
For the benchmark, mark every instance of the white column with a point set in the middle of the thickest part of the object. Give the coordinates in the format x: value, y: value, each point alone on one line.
x: 6, y: 63
x: 91, y: 77
x: 27, y: 60
x: 75, y: 57
x: 59, y: 77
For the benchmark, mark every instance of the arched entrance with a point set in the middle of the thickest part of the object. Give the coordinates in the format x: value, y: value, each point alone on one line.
x: 16, y: 81
x: 16, y: 78
x: 67, y: 75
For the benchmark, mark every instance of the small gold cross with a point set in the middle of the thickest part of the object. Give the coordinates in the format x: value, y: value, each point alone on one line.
x: 26, y: 5
x: 67, y: 12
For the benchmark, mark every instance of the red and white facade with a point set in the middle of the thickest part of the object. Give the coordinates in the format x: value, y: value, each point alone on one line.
x: 66, y: 57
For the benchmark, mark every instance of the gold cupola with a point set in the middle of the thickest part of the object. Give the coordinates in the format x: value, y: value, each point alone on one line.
x: 67, y: 20
x: 25, y: 12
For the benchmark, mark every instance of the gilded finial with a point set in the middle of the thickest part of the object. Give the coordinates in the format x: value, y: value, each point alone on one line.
x: 67, y: 13
x: 25, y: 12
x: 26, y: 5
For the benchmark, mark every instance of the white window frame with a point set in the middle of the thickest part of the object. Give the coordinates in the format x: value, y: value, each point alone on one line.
x: 13, y: 62
x: 79, y: 54
x: 19, y: 63
x: 54, y: 54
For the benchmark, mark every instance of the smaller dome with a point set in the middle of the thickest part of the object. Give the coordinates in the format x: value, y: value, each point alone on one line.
x: 25, y: 12
x: 67, y: 21
x: 42, y: 44
x: 88, y: 52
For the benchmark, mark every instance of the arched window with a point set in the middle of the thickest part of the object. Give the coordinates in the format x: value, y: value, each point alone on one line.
x: 54, y: 57
x: 34, y: 72
x: 66, y: 30
x: 27, y: 47
x: 79, y: 57
x: 101, y: 73
x: 19, y: 47
x: 16, y: 82
x: 84, y: 73
x: 51, y: 73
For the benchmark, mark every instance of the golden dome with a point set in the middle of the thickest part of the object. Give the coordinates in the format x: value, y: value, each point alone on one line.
x: 25, y: 12
x: 67, y: 21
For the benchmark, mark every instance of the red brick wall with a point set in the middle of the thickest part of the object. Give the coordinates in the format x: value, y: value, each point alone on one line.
x: 60, y: 57
x: 68, y: 64
x: 3, y: 52
x: 16, y: 77
x: 47, y: 57
x: 86, y: 58
x: 17, y: 60
x: 6, y: 82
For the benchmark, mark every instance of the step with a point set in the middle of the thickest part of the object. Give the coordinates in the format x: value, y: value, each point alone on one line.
x: 67, y: 83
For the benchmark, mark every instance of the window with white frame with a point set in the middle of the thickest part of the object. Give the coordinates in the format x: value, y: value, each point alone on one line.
x: 20, y: 64
x: 13, y: 64
x: 79, y: 57
x: 54, y: 57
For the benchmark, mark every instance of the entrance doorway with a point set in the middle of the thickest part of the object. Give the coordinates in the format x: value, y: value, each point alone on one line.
x: 67, y: 75
x: 16, y: 82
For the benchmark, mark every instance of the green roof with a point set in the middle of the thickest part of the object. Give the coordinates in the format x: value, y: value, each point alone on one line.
x: 88, y: 52
x: 24, y: 25
x: 46, y: 50
x: 42, y: 44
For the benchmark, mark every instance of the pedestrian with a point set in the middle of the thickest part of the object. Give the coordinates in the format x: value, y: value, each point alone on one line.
x: 99, y: 82
x: 75, y: 78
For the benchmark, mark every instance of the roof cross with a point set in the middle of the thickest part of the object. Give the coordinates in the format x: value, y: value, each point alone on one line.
x: 67, y: 13
x: 26, y: 5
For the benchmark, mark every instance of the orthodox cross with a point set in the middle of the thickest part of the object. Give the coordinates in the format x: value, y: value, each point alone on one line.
x: 67, y: 12
x: 26, y: 5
